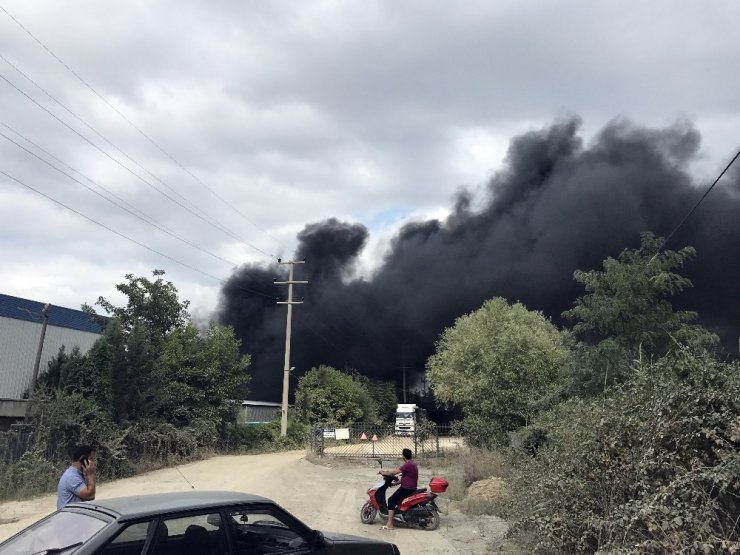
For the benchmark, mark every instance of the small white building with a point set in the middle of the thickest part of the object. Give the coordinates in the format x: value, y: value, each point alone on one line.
x: 20, y: 332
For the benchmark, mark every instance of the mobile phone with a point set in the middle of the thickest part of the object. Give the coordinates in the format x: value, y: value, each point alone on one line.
x: 84, y: 461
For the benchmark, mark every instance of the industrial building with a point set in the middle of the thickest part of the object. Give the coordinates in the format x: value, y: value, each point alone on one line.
x: 260, y: 412
x: 21, y: 323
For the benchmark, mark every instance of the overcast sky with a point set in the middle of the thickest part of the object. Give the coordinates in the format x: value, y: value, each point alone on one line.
x: 280, y: 114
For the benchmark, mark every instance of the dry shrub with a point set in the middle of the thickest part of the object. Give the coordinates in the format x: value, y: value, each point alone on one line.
x: 162, y: 442
x: 652, y: 468
x: 33, y: 474
x: 467, y: 467
x: 475, y: 506
x: 482, y: 463
x: 484, y: 496
x: 491, y: 489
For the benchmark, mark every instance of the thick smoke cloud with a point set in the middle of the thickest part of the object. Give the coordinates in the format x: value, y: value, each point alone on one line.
x: 557, y: 206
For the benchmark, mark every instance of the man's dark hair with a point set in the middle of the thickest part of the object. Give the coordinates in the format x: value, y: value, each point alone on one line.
x: 407, y: 454
x: 81, y: 451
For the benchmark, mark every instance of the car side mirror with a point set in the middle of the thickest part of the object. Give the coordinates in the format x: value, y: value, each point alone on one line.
x: 318, y: 540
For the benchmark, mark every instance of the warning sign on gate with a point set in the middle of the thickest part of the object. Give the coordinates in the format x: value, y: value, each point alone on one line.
x: 363, y: 435
x: 374, y: 438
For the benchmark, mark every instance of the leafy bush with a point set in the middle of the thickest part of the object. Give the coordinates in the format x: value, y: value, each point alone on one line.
x: 164, y: 443
x: 265, y: 437
x: 62, y: 421
x: 652, y: 468
x: 32, y: 474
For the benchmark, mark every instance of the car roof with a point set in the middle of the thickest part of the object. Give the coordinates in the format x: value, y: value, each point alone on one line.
x: 137, y: 506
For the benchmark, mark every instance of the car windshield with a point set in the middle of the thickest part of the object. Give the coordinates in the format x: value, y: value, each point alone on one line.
x: 62, y: 532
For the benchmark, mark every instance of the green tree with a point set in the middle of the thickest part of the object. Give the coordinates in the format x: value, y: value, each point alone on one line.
x: 56, y: 370
x: 497, y: 363
x: 152, y: 305
x: 200, y: 376
x: 90, y: 375
x: 326, y: 395
x: 378, y: 398
x: 136, y: 334
x: 160, y: 367
x: 626, y: 312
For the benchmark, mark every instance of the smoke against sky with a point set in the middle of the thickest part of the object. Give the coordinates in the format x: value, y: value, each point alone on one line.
x: 556, y: 205
x: 274, y: 115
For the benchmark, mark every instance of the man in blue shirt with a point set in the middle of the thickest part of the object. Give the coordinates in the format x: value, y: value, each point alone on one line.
x: 78, y: 481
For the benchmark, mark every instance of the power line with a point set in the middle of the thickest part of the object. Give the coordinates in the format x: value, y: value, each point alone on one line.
x: 146, y: 219
x: 65, y: 124
x: 248, y: 290
x: 688, y: 215
x: 55, y: 201
x: 50, y: 155
x: 134, y: 126
x: 103, y: 137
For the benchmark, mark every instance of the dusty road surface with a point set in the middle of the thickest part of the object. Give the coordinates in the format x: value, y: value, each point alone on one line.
x: 327, y: 498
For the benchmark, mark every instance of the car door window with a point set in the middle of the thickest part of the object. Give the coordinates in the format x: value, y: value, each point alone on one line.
x: 130, y: 541
x: 200, y: 534
x: 262, y: 531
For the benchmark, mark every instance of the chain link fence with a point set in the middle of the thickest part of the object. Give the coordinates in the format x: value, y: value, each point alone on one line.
x: 363, y: 440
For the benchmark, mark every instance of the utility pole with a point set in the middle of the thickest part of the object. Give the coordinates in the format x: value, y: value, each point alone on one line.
x: 403, y: 367
x: 286, y: 367
x: 35, y: 377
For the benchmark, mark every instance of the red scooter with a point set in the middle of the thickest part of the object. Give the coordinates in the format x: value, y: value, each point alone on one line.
x: 418, y: 509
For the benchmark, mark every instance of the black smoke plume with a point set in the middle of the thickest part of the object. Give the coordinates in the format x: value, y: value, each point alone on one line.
x: 557, y: 206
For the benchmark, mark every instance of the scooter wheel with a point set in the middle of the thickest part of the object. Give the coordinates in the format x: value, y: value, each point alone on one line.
x: 432, y: 521
x: 367, y: 513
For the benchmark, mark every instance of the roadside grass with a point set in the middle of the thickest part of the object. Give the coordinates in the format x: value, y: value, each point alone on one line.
x: 30, y: 476
x: 35, y: 474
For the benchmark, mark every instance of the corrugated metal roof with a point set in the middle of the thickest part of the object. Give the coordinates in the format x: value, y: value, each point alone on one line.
x: 24, y: 309
x: 261, y: 403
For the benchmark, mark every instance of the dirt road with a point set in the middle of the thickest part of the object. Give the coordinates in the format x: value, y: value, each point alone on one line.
x: 323, y: 497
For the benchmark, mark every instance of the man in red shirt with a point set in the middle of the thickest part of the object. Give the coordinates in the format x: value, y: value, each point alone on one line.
x: 409, y: 478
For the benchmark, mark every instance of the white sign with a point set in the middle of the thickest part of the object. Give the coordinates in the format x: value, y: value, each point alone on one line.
x: 342, y: 433
x: 329, y: 433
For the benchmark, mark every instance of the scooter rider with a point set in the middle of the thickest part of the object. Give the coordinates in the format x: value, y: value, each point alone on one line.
x: 409, y: 478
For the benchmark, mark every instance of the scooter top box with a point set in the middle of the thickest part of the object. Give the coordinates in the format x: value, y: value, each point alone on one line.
x: 438, y: 484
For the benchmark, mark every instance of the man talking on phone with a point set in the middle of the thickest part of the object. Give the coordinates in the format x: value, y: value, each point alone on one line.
x: 78, y: 481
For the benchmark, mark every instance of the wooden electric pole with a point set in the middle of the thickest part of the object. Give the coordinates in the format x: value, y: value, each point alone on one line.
x: 286, y: 367
x: 35, y: 377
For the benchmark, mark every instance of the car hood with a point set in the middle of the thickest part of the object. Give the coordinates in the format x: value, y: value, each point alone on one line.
x: 337, y: 537
x: 346, y: 543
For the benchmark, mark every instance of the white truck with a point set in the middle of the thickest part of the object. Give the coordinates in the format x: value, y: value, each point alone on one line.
x: 407, y: 415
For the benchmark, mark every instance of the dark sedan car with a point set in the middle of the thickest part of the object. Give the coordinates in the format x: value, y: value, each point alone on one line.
x: 197, y: 523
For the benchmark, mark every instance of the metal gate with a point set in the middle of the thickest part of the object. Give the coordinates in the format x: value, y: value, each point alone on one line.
x: 363, y: 440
